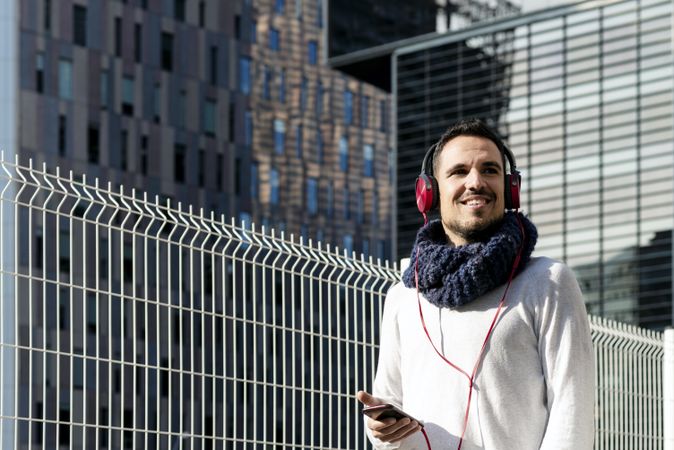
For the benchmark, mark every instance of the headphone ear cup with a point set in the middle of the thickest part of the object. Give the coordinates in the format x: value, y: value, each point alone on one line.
x: 512, y: 190
x: 426, y: 189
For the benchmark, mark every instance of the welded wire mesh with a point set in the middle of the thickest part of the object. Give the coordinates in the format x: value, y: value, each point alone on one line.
x: 129, y: 323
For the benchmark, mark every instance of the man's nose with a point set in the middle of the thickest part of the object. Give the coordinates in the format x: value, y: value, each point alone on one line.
x: 474, y: 181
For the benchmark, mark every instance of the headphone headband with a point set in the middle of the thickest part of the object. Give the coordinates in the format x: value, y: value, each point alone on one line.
x: 430, y: 153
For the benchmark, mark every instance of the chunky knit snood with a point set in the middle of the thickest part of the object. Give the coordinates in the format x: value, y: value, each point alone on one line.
x: 452, y: 276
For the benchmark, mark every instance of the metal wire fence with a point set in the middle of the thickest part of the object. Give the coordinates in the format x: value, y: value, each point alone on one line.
x: 129, y: 323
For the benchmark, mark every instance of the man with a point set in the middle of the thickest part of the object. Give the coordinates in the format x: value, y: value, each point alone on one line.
x: 533, y: 384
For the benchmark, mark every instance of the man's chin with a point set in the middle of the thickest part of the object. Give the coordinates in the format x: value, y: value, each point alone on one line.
x: 477, y: 230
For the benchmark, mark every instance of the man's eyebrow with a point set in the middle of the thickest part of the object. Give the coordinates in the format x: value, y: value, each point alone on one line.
x: 491, y: 164
x: 495, y: 164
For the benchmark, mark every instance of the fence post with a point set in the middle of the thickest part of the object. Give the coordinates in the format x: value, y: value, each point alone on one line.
x: 668, y: 388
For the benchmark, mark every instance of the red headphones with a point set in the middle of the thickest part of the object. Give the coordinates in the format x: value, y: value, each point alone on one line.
x: 427, y: 186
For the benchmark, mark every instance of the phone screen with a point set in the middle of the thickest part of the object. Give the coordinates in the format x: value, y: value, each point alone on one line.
x: 385, y: 411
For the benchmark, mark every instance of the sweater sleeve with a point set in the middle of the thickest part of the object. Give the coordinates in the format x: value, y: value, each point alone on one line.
x: 388, y: 381
x: 567, y: 359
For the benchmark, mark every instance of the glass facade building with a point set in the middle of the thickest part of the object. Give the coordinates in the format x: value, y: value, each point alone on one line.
x: 583, y: 95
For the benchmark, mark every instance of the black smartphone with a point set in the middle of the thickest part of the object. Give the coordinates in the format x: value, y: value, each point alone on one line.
x: 385, y: 411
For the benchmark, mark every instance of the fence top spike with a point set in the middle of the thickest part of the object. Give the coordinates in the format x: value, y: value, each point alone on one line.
x: 30, y: 163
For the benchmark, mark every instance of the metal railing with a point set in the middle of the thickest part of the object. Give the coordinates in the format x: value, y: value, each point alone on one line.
x: 129, y: 323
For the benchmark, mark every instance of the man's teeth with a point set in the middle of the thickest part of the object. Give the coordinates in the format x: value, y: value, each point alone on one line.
x: 475, y: 202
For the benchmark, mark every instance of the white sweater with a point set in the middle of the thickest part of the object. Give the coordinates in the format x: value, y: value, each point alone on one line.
x: 535, y: 386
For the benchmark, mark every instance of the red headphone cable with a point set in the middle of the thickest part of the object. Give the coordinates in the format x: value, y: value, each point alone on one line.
x: 470, y: 377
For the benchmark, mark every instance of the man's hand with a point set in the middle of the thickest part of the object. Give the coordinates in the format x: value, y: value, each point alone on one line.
x: 390, y: 429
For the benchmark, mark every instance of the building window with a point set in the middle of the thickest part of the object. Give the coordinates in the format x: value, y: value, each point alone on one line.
x: 343, y: 154
x: 202, y: 168
x: 279, y: 135
x: 273, y: 187
x: 368, y: 156
x: 319, y: 98
x: 166, y: 51
x: 313, y: 53
x: 209, y: 117
x: 214, y: 64
x: 348, y: 107
x: 230, y: 119
x: 330, y: 201
x: 179, y: 10
x: 266, y: 82
x: 248, y: 128
x: 219, y: 171
x: 274, y: 39
x: 179, y: 163
x: 303, y: 93
x: 254, y: 180
x: 279, y: 5
x: 127, y: 95
x: 143, y: 154
x: 282, y: 87
x: 65, y: 79
x: 118, y: 36
x: 138, y: 42
x: 312, y: 196
x: 237, y: 27
x: 298, y: 141
x: 348, y: 244
x: 39, y: 72
x: 375, y: 208
x: 319, y: 146
x: 93, y: 144
x: 244, y: 75
x: 123, y: 149
x: 104, y: 89
x: 298, y: 9
x: 364, y: 111
x: 47, y: 15
x: 383, y: 116
x: 79, y: 25
x: 253, y: 32
x: 347, y: 206
x: 156, y: 103
x: 319, y: 13
x: 181, y: 109
x: 62, y: 135
x: 360, y: 216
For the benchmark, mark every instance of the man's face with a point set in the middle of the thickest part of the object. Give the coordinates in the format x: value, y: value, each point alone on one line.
x: 470, y: 177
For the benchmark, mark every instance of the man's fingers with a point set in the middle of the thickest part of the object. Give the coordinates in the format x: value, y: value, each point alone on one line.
x: 396, y: 431
x: 367, y: 399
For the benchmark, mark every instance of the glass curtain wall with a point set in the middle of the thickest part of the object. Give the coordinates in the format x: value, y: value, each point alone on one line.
x: 583, y: 95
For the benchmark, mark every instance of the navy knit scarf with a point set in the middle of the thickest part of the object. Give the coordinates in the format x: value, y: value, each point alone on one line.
x: 453, y: 276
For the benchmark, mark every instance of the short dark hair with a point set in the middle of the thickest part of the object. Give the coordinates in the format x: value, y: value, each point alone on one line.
x: 469, y: 127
